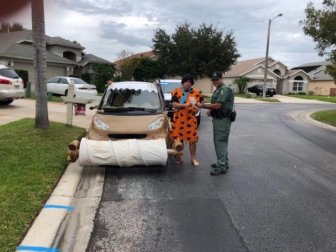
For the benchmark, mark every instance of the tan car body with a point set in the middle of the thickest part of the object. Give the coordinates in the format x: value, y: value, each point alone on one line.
x: 129, y: 128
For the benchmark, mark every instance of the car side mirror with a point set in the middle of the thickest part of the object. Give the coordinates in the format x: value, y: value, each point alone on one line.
x: 93, y: 107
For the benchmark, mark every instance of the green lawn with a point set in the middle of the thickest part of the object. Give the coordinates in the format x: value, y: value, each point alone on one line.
x: 326, y: 116
x: 32, y: 162
x: 266, y: 99
x: 316, y: 97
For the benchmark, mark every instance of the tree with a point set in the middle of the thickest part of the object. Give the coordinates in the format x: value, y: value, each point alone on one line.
x: 127, y: 64
x: 7, y: 27
x: 242, y: 81
x: 198, y: 52
x: 320, y: 25
x: 103, y: 73
x: 40, y: 64
x: 147, y: 70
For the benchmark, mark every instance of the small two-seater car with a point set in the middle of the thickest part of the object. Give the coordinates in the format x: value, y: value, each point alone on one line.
x: 129, y: 128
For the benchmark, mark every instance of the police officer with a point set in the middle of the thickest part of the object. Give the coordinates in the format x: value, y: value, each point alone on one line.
x: 221, y: 105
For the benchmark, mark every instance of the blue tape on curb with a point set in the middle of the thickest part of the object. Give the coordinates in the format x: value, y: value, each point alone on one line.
x: 31, y: 248
x: 69, y: 208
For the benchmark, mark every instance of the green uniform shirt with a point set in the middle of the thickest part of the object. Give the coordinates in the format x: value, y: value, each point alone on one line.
x: 224, y: 95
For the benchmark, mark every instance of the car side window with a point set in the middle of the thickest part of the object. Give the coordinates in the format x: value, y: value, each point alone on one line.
x: 53, y: 80
x: 63, y: 81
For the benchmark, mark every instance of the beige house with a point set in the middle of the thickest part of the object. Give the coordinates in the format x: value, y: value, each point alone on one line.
x: 320, y: 82
x: 278, y: 76
x: 64, y: 58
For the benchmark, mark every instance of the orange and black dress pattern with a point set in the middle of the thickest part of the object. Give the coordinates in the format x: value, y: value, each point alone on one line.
x: 184, y: 125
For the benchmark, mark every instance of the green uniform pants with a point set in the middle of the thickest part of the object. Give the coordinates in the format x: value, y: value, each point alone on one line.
x: 221, y: 132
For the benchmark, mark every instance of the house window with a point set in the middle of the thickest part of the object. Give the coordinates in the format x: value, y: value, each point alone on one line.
x: 298, y: 84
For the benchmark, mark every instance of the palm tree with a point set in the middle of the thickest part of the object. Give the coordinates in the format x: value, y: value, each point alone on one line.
x: 40, y: 64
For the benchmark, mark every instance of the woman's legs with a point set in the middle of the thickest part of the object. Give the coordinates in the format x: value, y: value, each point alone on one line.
x: 192, y: 149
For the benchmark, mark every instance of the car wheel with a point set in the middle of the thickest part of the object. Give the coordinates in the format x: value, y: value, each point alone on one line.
x: 6, y: 102
x: 66, y: 92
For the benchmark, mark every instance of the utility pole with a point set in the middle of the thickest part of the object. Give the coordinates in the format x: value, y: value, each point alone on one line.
x: 266, y: 57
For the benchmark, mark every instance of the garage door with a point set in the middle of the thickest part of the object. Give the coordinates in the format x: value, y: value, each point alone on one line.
x: 53, y: 71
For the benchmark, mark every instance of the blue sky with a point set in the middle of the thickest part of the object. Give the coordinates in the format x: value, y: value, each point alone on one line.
x: 106, y: 27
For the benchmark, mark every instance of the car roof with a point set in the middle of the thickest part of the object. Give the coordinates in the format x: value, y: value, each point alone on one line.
x: 134, y: 85
x: 2, y: 66
x: 170, y: 80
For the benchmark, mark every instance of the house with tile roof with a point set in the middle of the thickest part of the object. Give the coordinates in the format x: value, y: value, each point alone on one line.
x: 64, y: 58
x: 278, y: 76
x: 321, y: 83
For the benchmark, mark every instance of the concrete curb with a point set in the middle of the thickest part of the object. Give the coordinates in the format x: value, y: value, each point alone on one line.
x: 305, y: 116
x: 52, y: 220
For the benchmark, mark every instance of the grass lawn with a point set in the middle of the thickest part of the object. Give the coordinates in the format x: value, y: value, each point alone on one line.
x: 326, y: 116
x: 316, y: 97
x: 32, y: 162
x: 266, y: 99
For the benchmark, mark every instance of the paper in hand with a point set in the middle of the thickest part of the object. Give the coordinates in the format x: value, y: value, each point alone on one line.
x: 192, y: 100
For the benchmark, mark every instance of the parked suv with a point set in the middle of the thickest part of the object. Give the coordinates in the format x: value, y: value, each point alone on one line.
x: 11, y: 85
x: 258, y: 89
x: 167, y: 86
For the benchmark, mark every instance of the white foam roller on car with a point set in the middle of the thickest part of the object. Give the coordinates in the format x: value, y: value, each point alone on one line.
x: 124, y: 153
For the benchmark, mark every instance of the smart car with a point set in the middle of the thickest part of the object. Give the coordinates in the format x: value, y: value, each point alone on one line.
x: 130, y: 127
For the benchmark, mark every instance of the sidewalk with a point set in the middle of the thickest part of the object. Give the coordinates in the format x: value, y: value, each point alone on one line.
x: 281, y: 98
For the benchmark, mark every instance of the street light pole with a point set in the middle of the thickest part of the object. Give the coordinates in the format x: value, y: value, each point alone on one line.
x: 266, y: 57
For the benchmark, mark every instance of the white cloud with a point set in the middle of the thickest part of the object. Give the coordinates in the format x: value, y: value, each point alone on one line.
x: 105, y: 27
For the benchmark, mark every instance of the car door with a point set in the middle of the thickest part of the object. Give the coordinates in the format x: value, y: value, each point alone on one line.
x: 52, y: 85
x: 62, y: 86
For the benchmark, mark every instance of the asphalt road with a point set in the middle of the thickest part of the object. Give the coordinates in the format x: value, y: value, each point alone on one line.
x: 279, y: 194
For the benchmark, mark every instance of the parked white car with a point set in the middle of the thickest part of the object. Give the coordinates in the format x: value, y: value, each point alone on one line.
x: 11, y: 85
x: 59, y: 85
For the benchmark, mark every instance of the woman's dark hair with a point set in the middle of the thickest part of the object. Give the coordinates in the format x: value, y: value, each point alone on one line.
x: 187, y: 77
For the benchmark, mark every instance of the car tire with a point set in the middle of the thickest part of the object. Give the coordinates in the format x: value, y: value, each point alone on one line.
x: 6, y: 102
x: 66, y: 93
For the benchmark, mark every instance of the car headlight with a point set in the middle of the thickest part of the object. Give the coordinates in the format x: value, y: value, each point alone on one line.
x: 158, y: 123
x: 100, y: 124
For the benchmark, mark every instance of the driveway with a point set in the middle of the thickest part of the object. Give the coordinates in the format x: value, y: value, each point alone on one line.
x: 25, y: 108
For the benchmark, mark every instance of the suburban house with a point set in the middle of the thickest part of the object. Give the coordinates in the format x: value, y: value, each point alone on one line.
x: 306, y: 78
x: 278, y: 76
x: 64, y: 58
x: 320, y: 82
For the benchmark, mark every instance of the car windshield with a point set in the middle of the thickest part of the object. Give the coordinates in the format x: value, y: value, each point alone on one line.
x: 168, y: 86
x: 9, y: 73
x: 78, y: 81
x: 131, y: 100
